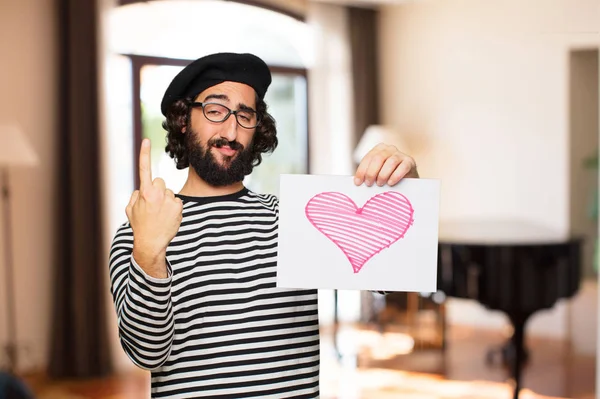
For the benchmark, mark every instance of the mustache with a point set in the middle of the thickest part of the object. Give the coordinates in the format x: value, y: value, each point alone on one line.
x: 222, y: 142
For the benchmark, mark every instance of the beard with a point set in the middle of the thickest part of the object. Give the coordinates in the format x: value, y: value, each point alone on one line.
x: 233, y: 169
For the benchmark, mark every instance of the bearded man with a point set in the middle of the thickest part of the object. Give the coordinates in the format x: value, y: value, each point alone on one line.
x: 193, y: 274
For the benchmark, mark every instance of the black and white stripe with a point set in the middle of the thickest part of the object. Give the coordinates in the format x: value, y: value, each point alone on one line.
x: 218, y: 327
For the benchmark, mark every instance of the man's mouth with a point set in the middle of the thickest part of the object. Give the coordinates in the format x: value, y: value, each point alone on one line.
x: 225, y: 147
x: 226, y: 150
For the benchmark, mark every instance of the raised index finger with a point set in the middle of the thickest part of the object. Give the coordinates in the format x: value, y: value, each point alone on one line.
x: 145, y: 171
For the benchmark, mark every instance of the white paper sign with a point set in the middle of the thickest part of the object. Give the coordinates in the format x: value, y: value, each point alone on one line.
x: 335, y: 235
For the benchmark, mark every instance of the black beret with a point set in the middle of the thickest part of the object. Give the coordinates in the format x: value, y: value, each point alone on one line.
x: 214, y: 69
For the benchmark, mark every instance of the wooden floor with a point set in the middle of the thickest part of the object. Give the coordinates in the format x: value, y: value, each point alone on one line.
x: 552, y: 369
x: 363, y: 371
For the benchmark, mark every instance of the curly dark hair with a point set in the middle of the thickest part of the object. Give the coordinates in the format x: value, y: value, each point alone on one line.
x: 178, y: 117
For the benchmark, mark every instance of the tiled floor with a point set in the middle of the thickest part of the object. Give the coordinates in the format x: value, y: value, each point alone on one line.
x: 362, y: 372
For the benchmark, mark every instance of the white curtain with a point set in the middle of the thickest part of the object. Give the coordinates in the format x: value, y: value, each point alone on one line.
x: 331, y: 123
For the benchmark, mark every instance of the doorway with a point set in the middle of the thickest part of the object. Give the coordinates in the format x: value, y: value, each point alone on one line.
x: 583, y: 197
x: 583, y: 128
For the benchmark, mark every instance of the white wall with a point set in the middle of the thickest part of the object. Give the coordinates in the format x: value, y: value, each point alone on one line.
x: 28, y: 80
x: 480, y: 88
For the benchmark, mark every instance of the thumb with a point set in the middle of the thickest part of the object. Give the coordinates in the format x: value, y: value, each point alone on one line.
x: 134, y: 198
x: 132, y: 201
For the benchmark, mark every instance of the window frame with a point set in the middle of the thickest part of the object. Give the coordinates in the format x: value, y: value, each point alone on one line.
x: 254, y: 3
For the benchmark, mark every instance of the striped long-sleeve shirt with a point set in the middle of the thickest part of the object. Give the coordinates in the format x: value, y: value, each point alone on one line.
x: 217, y: 326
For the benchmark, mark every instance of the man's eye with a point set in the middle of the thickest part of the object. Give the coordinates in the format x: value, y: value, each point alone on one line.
x: 246, y: 116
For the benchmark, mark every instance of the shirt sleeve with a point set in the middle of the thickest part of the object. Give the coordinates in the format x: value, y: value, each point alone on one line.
x: 142, y: 303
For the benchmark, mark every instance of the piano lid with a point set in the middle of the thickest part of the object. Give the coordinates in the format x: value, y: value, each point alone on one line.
x: 498, y: 232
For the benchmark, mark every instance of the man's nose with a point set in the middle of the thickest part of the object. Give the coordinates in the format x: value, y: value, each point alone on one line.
x: 230, y: 128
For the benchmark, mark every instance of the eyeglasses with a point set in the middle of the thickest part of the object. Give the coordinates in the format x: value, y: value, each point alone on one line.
x: 218, y: 113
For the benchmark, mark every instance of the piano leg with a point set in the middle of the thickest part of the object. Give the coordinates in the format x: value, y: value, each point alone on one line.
x: 517, y: 343
x: 513, y: 353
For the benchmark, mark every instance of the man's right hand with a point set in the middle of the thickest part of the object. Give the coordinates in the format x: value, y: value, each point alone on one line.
x: 155, y: 215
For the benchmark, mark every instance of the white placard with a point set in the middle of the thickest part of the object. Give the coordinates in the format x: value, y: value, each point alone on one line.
x: 335, y: 235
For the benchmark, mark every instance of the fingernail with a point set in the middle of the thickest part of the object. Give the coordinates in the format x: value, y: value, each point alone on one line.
x: 357, y: 181
x: 146, y: 142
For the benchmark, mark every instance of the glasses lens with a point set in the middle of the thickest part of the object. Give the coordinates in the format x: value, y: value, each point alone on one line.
x: 216, y: 112
x: 247, y: 119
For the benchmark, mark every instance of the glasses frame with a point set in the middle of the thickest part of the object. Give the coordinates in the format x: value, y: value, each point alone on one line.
x: 229, y: 112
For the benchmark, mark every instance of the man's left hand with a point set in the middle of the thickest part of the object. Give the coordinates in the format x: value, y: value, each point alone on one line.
x: 385, y: 164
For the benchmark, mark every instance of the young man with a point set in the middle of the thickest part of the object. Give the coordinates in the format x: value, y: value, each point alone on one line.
x: 193, y: 274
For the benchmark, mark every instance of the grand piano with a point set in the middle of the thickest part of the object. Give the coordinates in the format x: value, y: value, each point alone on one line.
x: 518, y: 268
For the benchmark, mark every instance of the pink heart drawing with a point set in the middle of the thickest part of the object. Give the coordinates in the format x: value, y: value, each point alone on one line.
x: 361, y: 233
